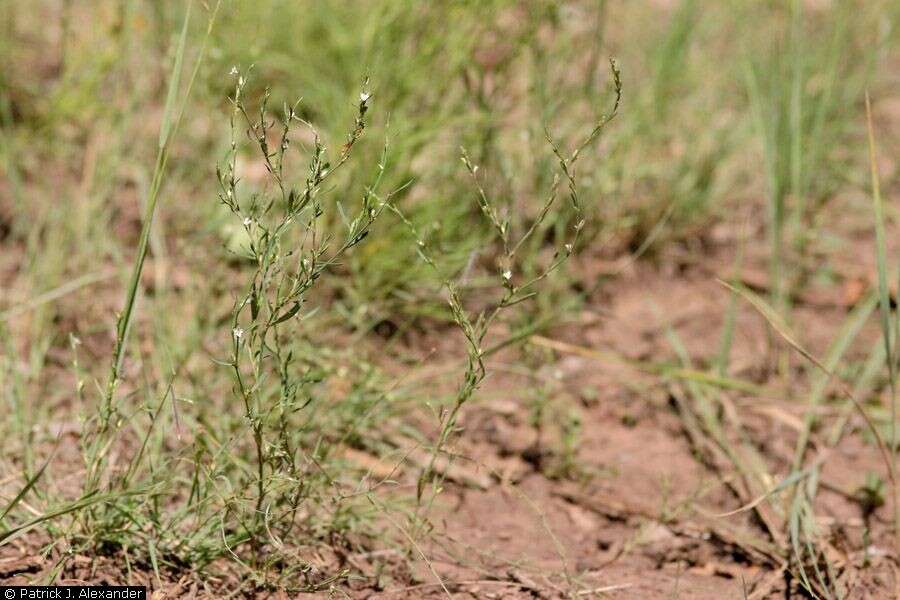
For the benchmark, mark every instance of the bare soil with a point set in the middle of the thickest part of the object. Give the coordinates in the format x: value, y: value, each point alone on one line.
x: 644, y: 525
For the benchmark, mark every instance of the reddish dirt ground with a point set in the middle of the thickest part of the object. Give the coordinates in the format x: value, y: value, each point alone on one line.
x: 644, y: 527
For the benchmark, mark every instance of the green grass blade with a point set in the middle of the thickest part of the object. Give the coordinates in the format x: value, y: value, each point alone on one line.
x: 884, y: 302
x: 776, y: 322
x: 174, y: 82
x: 25, y: 489
x: 884, y: 299
x: 848, y: 332
x: 83, y: 502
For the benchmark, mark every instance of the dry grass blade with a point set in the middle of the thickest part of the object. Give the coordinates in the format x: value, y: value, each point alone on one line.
x: 685, y: 374
x: 55, y: 294
x: 785, y: 484
x: 778, y: 324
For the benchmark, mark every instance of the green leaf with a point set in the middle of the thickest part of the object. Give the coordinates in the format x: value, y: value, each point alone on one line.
x: 288, y: 314
x: 174, y: 83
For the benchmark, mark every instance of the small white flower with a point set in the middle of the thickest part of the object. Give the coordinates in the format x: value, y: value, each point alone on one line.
x: 569, y: 248
x: 507, y: 275
x: 238, y: 333
x: 233, y: 71
x: 247, y: 221
x: 364, y: 97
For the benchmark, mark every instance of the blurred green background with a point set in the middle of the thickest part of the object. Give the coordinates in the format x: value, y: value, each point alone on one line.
x: 719, y: 97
